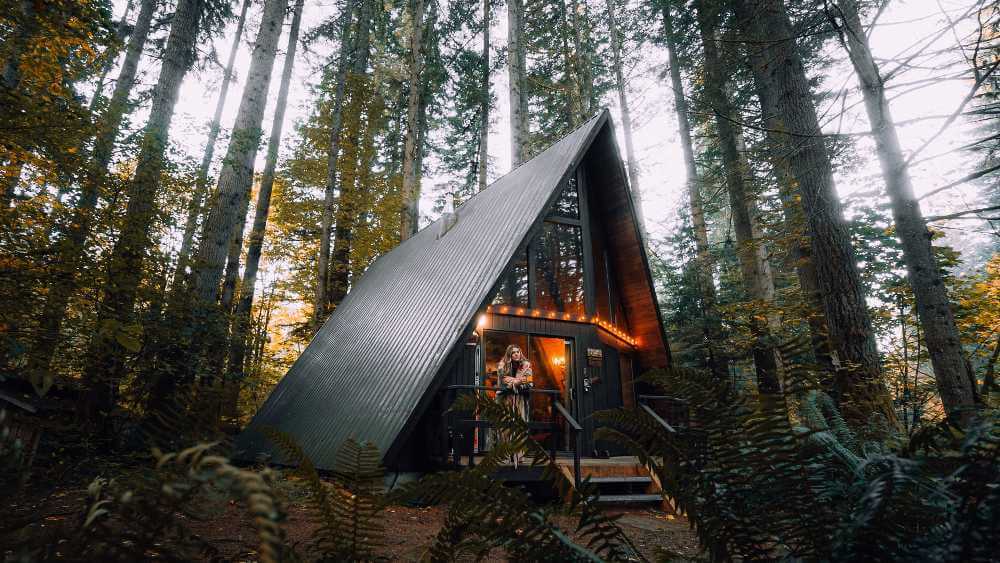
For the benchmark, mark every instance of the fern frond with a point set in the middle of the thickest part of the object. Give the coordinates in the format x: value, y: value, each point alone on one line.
x: 348, y: 510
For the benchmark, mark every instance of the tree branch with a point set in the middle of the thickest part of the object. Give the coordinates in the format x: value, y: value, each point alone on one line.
x: 962, y: 180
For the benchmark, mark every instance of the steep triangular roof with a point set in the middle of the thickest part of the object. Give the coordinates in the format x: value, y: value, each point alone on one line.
x: 367, y: 369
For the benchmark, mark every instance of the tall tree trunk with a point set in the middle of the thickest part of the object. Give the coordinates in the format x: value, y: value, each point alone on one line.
x: 571, y: 70
x: 705, y: 264
x: 201, y: 182
x: 235, y: 179
x: 409, y: 214
x: 121, y: 32
x: 241, y: 322
x: 484, y: 101
x: 231, y: 273
x: 800, y: 250
x: 71, y: 247
x: 755, y: 269
x: 517, y: 78
x: 630, y: 156
x: 340, y: 262
x: 125, y: 264
x: 583, y: 69
x: 320, y: 301
x: 861, y: 389
x: 953, y: 373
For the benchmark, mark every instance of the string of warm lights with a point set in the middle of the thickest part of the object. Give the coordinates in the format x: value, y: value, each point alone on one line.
x: 542, y: 314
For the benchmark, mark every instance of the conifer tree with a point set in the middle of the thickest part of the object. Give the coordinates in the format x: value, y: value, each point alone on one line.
x: 517, y: 82
x: 241, y: 321
x: 704, y: 266
x: 755, y: 267
x: 195, y: 206
x: 787, y: 90
x: 321, y: 299
x: 955, y: 380
x: 125, y: 264
x: 72, y: 240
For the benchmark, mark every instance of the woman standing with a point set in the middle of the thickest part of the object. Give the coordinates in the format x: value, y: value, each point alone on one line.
x: 514, y: 377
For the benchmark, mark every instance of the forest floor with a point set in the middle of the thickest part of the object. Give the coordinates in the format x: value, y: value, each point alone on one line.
x: 410, y: 531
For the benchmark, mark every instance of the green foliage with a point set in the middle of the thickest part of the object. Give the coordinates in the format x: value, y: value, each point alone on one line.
x: 484, y: 514
x: 347, y: 510
x: 783, y: 477
x: 135, y: 517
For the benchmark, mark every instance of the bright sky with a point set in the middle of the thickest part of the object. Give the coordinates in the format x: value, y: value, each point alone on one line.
x: 905, y: 23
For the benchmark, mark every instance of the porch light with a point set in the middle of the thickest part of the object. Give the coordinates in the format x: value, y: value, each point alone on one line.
x: 503, y: 309
x: 552, y: 315
x: 482, y: 320
x: 520, y: 311
x: 535, y: 313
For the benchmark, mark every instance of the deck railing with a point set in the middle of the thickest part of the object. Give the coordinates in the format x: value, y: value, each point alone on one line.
x: 677, y: 410
x: 461, y: 431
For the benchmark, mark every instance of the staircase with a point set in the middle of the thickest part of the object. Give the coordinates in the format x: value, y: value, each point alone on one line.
x: 620, y: 481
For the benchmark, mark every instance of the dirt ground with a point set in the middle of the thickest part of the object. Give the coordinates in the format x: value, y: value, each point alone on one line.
x: 409, y: 533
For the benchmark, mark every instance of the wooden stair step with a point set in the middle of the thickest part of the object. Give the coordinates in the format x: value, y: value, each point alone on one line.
x: 620, y: 480
x: 629, y: 499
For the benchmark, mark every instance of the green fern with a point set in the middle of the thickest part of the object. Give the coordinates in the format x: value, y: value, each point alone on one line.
x: 133, y: 519
x: 484, y: 514
x: 347, y: 510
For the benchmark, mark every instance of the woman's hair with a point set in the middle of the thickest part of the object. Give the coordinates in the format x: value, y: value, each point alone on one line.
x: 506, y: 361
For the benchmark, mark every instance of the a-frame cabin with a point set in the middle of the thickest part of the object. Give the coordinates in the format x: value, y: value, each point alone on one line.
x: 549, y: 257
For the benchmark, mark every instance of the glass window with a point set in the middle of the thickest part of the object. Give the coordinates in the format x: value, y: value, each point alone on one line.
x: 513, y: 289
x: 568, y: 204
x: 550, y: 364
x: 559, y: 269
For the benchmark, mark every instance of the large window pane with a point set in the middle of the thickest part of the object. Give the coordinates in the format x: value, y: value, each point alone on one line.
x: 568, y: 204
x: 513, y: 288
x: 559, y: 269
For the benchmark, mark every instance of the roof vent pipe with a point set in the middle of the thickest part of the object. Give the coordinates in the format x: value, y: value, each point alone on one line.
x: 448, y: 219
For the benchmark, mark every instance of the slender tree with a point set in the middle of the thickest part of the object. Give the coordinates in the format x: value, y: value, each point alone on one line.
x: 122, y: 32
x: 320, y: 300
x: 71, y: 246
x: 630, y: 157
x: 125, y: 264
x: 786, y: 87
x: 350, y: 188
x: 582, y: 65
x: 754, y: 265
x: 704, y: 263
x: 224, y: 218
x: 195, y: 206
x: 409, y: 214
x: 953, y: 374
x: 485, y: 98
x: 517, y: 79
x: 241, y: 322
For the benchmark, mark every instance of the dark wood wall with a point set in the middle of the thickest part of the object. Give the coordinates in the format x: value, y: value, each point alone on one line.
x: 612, y: 208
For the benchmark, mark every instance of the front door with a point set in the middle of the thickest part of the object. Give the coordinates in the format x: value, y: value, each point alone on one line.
x: 553, y: 365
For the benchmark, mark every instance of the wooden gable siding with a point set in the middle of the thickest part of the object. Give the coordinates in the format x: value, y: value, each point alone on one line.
x: 613, y: 208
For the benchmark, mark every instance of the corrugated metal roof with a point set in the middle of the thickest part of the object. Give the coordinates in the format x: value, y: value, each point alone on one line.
x: 368, y: 367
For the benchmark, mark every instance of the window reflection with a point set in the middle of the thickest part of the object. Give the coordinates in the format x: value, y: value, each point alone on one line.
x: 568, y: 204
x: 559, y: 267
x: 513, y: 288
